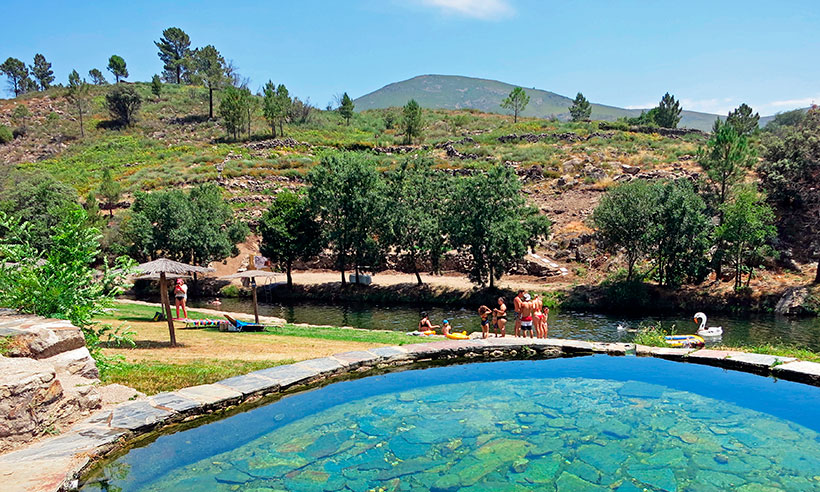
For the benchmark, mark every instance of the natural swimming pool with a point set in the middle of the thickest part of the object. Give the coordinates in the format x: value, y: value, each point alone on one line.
x: 586, y: 423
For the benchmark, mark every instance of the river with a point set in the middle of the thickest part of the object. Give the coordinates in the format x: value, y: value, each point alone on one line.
x: 738, y: 330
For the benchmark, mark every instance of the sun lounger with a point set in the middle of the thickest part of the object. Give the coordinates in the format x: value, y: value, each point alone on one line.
x: 237, y: 325
x: 204, y: 323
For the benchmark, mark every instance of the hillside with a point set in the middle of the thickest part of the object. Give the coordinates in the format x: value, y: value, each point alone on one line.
x: 456, y: 92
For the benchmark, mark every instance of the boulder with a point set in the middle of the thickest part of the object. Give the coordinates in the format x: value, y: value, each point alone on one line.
x: 627, y: 169
x: 77, y: 362
x: 29, y: 391
x: 792, y: 302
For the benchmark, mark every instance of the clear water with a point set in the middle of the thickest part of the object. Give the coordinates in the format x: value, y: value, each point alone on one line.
x: 563, y: 324
x: 580, y: 424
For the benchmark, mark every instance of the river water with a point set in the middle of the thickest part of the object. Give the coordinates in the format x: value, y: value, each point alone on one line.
x: 804, y: 332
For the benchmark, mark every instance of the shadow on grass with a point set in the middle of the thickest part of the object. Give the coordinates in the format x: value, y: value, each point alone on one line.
x: 143, y: 344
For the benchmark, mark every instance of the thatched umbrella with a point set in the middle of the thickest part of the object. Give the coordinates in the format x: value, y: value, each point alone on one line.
x: 165, y: 268
x: 251, y: 274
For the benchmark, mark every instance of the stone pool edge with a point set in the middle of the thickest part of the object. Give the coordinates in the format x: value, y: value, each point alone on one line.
x: 55, y: 464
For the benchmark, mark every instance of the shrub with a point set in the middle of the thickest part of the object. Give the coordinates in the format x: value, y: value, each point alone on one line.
x: 123, y: 102
x: 5, y: 134
x: 651, y: 335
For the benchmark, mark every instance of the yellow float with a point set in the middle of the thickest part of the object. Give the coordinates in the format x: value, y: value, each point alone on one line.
x: 458, y: 336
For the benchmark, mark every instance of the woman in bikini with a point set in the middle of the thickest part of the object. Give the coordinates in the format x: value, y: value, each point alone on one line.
x: 538, y: 317
x: 500, y: 314
x: 485, y: 313
x: 426, y: 325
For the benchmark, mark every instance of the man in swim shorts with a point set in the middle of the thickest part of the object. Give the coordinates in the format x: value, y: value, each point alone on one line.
x: 526, y: 316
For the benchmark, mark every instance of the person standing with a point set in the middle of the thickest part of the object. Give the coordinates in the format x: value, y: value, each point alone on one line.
x: 181, y: 297
x: 500, y: 314
x: 540, y: 317
x: 526, y: 316
x: 485, y: 313
x: 519, y: 298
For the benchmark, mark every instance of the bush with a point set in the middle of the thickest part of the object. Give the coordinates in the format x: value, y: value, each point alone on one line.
x: 123, y: 102
x: 5, y: 134
x: 651, y: 335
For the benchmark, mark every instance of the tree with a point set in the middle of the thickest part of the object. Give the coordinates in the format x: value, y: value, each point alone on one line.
x: 270, y: 108
x: 726, y: 158
x: 232, y: 109
x: 196, y: 227
x: 97, y: 77
x: 668, y: 112
x: 680, y: 233
x: 490, y: 220
x: 110, y: 190
x: 210, y: 68
x: 786, y: 120
x: 42, y: 71
x: 413, y: 122
x: 300, y: 111
x: 116, y: 65
x: 345, y: 196
x: 346, y: 108
x: 748, y: 226
x: 78, y: 96
x: 289, y: 231
x: 623, y: 220
x: 156, y: 86
x: 742, y: 120
x: 790, y: 173
x: 516, y: 101
x: 123, y: 102
x: 40, y: 201
x: 174, y: 51
x: 17, y: 73
x: 580, y: 109
x: 414, y: 223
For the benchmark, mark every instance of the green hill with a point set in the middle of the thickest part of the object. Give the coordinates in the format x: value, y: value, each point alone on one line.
x: 456, y: 92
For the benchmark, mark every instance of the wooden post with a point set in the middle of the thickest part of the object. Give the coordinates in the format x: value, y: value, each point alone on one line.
x: 166, y: 303
x: 255, y: 305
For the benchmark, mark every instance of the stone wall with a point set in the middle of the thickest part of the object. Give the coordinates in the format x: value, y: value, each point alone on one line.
x: 47, y: 376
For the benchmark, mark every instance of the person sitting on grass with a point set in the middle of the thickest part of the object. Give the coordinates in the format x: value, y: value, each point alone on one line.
x: 426, y: 325
x: 180, y: 297
x: 485, y: 313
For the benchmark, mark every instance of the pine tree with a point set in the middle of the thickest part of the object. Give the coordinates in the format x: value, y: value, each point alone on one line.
x: 668, y: 112
x: 116, y: 65
x: 174, y: 51
x: 211, y: 69
x: 97, y: 77
x: 78, y: 96
x: 346, y: 108
x: 517, y: 101
x: 17, y: 73
x: 156, y: 86
x: 110, y: 190
x: 580, y: 109
x: 413, y: 122
x: 742, y: 119
x: 42, y: 71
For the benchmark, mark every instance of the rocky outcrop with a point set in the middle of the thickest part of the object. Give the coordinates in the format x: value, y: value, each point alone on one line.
x: 276, y: 143
x: 793, y: 302
x: 47, y: 375
x: 565, y: 137
x: 666, y: 132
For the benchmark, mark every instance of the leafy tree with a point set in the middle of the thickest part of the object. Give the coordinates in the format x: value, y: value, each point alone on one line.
x: 668, y: 112
x: 726, y: 158
x: 116, y: 65
x: 624, y: 218
x: 517, y: 101
x: 646, y: 118
x: 786, y: 120
x: 6, y: 135
x: 156, y: 86
x: 174, y: 51
x: 78, y: 96
x: 97, y: 77
x: 252, y: 104
x: 345, y: 194
x: 790, y: 174
x: 283, y: 104
x: 300, y: 111
x: 123, y: 102
x: 210, y: 68
x: 20, y: 114
x: 680, y: 234
x: 110, y: 190
x: 17, y: 73
x: 92, y: 209
x: 490, y: 219
x: 289, y: 231
x: 414, y: 225
x: 742, y: 120
x: 42, y: 71
x: 346, y: 108
x: 232, y: 108
x: 580, y: 109
x: 40, y: 201
x: 413, y: 122
x: 748, y: 226
x: 196, y: 227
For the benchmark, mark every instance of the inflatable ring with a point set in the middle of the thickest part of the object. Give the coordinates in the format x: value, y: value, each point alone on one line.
x: 684, y: 341
x: 458, y: 336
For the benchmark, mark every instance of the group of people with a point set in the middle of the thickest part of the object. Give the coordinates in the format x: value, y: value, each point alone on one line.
x: 530, y: 314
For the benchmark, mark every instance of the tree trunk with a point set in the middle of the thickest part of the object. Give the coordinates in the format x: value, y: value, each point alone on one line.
x: 418, y: 278
x: 273, y: 129
x: 210, y: 103
x: 249, y: 122
x: 80, y: 110
x: 290, y: 277
x: 344, y: 282
x: 179, y: 74
x: 255, y: 303
x: 281, y: 128
x: 166, y: 304
x: 492, y: 277
x: 357, y: 273
x: 817, y: 275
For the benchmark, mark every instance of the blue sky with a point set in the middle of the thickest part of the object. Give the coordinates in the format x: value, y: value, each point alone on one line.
x: 713, y: 55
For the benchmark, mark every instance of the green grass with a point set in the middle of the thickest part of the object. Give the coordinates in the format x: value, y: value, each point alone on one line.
x: 783, y: 350
x: 151, y: 377
x: 126, y: 311
x: 346, y: 334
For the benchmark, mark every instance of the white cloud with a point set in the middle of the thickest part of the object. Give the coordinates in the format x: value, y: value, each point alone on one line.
x: 715, y: 106
x: 477, y: 9
x: 794, y: 103
x: 642, y: 106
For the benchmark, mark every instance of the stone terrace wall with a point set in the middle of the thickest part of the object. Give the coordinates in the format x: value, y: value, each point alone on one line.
x: 47, y: 375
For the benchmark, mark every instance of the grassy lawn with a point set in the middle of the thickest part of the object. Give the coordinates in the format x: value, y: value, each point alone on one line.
x: 207, y: 355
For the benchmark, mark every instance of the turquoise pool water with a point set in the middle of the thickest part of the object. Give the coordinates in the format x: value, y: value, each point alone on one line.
x: 580, y: 424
